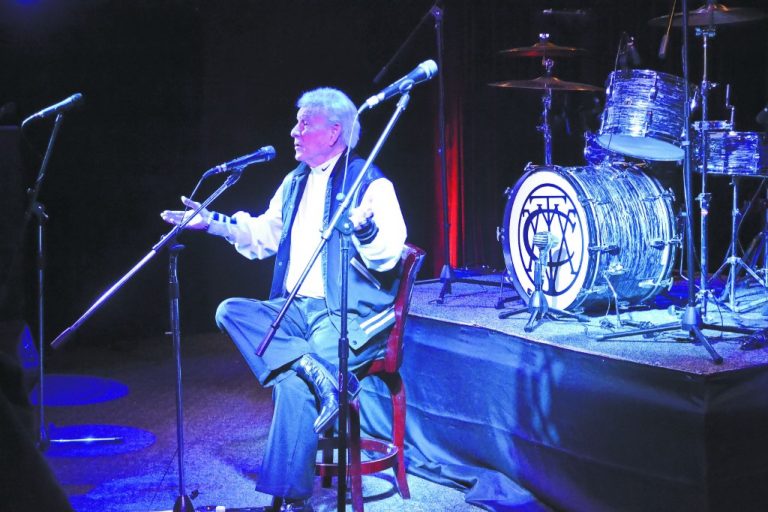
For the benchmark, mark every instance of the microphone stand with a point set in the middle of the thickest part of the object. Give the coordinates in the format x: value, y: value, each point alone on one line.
x: 537, y: 306
x: 437, y: 12
x: 183, y: 502
x: 339, y: 221
x: 691, y: 320
x: 38, y: 210
x: 164, y: 241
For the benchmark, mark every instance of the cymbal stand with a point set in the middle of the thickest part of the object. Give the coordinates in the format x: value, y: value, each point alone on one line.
x: 764, y: 236
x: 735, y: 262
x: 706, y: 33
x: 691, y: 320
x: 546, y: 104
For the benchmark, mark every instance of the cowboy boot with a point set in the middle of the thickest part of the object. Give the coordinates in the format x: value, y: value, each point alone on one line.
x: 323, y: 377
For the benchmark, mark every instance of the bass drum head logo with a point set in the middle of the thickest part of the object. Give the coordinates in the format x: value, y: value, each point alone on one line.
x: 546, y: 200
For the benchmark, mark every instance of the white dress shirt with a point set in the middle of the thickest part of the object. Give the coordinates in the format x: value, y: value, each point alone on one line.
x: 258, y: 237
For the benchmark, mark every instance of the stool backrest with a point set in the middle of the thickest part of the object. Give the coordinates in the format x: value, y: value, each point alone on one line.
x: 412, y: 259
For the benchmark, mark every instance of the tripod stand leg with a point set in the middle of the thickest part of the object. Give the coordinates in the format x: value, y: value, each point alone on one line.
x: 507, y: 314
x: 651, y: 330
x: 446, y: 277
x: 534, y: 320
x: 716, y: 358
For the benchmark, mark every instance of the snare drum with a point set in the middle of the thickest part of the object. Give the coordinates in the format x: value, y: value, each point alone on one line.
x: 644, y: 115
x: 733, y: 153
x: 616, y: 232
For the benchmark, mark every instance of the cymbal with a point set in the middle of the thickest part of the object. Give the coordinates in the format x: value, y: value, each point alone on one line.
x: 546, y: 82
x: 710, y: 15
x: 544, y: 49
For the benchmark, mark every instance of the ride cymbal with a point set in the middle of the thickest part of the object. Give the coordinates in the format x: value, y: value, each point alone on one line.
x: 711, y: 15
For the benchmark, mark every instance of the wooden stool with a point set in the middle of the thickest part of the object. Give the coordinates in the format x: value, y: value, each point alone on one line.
x: 386, y: 454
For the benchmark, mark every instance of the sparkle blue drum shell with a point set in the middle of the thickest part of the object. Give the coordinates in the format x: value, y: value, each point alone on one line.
x: 616, y: 230
x: 644, y: 115
x: 732, y: 153
x: 595, y: 154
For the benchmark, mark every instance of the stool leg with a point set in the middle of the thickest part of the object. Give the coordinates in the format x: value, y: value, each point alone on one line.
x: 327, y: 458
x: 355, y: 457
x: 397, y: 391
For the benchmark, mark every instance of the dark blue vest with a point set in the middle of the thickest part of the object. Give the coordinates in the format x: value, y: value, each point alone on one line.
x: 370, y: 293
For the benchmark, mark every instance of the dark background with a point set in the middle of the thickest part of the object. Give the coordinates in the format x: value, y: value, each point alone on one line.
x: 174, y: 87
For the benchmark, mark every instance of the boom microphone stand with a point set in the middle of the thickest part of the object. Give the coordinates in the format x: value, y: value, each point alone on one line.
x: 183, y: 502
x: 691, y: 320
x: 38, y: 210
x: 437, y: 12
x: 340, y: 221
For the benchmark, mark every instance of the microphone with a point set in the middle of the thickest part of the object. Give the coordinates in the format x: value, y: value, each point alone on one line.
x: 545, y: 241
x: 264, y: 154
x: 665, y: 38
x: 420, y: 73
x: 565, y: 13
x: 67, y: 104
x: 629, y: 56
x: 762, y: 117
x: 663, y: 46
x: 633, y: 54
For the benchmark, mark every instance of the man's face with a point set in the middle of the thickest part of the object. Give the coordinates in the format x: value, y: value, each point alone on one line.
x: 314, y: 137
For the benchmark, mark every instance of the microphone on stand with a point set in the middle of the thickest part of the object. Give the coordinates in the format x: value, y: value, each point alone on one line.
x: 545, y: 242
x: 633, y: 56
x: 665, y: 38
x: 762, y: 117
x: 420, y: 73
x: 67, y: 104
x: 629, y: 57
x: 264, y: 154
x: 663, y: 46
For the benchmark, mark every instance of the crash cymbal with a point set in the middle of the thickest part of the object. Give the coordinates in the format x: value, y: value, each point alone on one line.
x: 544, y: 49
x: 710, y: 15
x: 545, y: 82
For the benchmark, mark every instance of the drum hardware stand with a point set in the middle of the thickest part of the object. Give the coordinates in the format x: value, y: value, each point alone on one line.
x: 691, y: 320
x: 506, y: 275
x: 706, y: 33
x: 735, y: 262
x: 546, y: 104
x: 537, y: 303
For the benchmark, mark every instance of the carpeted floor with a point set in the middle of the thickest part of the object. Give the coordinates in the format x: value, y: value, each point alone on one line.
x: 226, y: 418
x: 227, y: 414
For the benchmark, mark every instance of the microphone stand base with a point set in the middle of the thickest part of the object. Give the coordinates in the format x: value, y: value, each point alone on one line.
x: 183, y: 504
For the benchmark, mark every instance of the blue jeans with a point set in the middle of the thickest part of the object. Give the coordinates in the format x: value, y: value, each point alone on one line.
x: 287, y: 469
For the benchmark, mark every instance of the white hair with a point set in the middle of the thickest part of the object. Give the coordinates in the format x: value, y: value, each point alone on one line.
x: 337, y: 107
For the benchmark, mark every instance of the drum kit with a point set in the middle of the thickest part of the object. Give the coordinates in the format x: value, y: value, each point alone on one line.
x: 614, y: 223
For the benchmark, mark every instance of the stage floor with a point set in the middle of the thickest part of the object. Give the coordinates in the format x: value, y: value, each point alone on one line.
x: 473, y: 303
x: 558, y: 418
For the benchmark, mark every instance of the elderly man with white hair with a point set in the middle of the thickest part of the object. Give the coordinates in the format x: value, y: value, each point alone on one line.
x: 301, y: 361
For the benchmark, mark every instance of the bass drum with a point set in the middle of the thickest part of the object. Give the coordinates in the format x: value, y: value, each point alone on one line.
x: 616, y: 232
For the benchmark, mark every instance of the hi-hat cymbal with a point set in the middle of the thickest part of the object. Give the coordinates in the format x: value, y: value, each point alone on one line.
x: 545, y: 82
x: 543, y: 49
x: 710, y: 15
